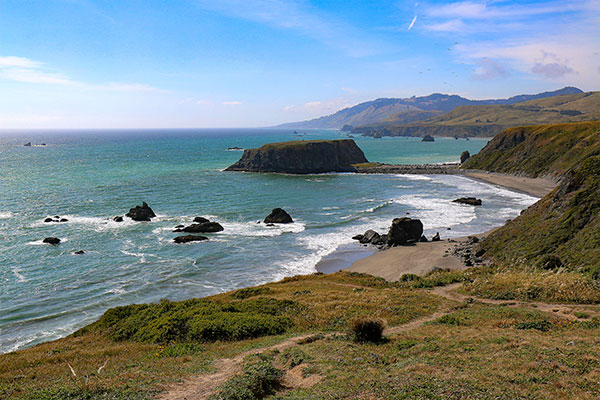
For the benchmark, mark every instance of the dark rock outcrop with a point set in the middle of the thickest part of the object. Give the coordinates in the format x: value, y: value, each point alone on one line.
x: 471, y: 201
x: 118, y: 218
x: 52, y: 240
x: 423, y: 239
x: 28, y: 144
x: 302, y: 157
x: 141, y: 213
x: 56, y: 219
x: 464, y: 156
x: 428, y: 138
x: 189, y: 238
x: 201, y: 220
x: 436, y: 237
x: 371, y: 237
x: 205, y: 227
x: 404, y: 230
x: 79, y: 252
x: 278, y: 216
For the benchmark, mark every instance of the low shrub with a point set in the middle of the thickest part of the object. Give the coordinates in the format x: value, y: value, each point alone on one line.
x: 549, y: 262
x: 449, y: 319
x: 293, y: 356
x: 251, y: 292
x: 543, y: 325
x: 367, y: 329
x: 259, y: 379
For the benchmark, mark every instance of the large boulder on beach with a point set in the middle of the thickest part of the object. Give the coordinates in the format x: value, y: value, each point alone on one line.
x: 141, y: 213
x: 51, y: 240
x: 278, y: 216
x: 471, y: 201
x: 302, y: 157
x: 404, y: 230
x: 189, y: 238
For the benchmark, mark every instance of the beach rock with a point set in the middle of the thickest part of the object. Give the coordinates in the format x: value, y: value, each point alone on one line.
x: 201, y: 220
x: 480, y: 252
x: 370, y: 236
x: 141, y: 213
x: 473, y: 239
x: 79, y: 252
x: 423, y: 239
x: 428, y: 138
x: 357, y: 237
x: 404, y: 230
x: 278, y: 216
x: 205, y: 227
x: 302, y: 157
x: 52, y: 240
x: 436, y: 237
x: 189, y: 238
x: 118, y: 218
x: 471, y: 201
x: 464, y: 156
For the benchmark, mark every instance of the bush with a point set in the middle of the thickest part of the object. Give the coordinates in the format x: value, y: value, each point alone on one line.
x: 537, y: 325
x: 367, y: 329
x: 449, y: 319
x: 251, y: 292
x: 258, y: 379
x: 550, y: 262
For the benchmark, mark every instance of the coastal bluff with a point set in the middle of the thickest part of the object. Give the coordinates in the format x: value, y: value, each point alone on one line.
x: 302, y: 157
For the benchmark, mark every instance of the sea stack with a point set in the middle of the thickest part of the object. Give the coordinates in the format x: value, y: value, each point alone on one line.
x: 428, y: 138
x: 302, y: 157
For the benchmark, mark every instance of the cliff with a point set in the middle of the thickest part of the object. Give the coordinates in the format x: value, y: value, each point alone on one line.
x: 302, y: 157
x: 564, y: 226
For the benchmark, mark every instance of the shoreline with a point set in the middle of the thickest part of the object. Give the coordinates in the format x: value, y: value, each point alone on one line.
x: 421, y: 258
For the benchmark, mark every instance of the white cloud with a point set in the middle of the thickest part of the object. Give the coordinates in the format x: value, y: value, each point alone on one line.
x: 489, y: 69
x: 232, y: 103
x: 25, y: 70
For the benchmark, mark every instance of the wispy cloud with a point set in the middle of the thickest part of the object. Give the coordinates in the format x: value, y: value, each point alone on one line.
x: 25, y: 70
x: 301, y: 17
x: 318, y: 108
x: 412, y: 23
x: 232, y: 103
x: 489, y: 69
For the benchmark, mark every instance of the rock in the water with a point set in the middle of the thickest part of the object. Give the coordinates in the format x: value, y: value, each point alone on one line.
x: 423, y: 239
x: 51, y: 240
x: 370, y: 236
x: 428, y: 138
x: 205, y: 227
x: 141, y: 213
x: 471, y: 201
x: 180, y: 226
x: 464, y: 156
x: 189, y: 238
x: 302, y: 157
x: 436, y: 238
x: 278, y: 216
x: 79, y: 252
x: 28, y: 144
x: 357, y: 237
x: 404, y: 230
x: 118, y: 218
x: 201, y: 220
x: 48, y: 220
x: 63, y: 220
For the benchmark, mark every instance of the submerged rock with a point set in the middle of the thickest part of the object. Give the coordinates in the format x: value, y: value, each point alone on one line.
x: 52, y: 240
x: 141, y: 213
x: 79, y: 252
x: 471, y: 201
x: 118, y: 218
x: 205, y: 227
x: 189, y: 238
x: 278, y: 216
x: 404, y: 230
x: 302, y: 157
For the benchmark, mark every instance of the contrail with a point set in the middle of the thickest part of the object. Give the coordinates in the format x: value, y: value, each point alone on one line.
x: 412, y: 23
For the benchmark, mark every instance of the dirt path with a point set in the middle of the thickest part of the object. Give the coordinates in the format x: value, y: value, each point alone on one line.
x: 202, y: 386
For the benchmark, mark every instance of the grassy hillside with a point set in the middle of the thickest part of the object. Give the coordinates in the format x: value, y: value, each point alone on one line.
x: 539, y: 150
x: 488, y: 120
x: 435, y: 347
x: 564, y: 227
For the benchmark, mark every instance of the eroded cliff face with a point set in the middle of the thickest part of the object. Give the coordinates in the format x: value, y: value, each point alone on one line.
x: 302, y: 157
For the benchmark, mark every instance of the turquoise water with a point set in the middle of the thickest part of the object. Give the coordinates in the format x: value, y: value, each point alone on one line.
x: 89, y: 177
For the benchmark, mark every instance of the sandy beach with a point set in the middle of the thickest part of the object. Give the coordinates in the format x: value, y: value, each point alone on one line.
x: 421, y: 258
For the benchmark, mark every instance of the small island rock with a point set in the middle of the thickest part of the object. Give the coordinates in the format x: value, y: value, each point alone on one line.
x: 471, y: 201
x: 141, y: 213
x: 428, y: 138
x: 189, y: 238
x: 278, y: 216
x: 52, y: 240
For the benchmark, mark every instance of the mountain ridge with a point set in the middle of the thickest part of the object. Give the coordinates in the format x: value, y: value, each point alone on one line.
x: 409, y: 110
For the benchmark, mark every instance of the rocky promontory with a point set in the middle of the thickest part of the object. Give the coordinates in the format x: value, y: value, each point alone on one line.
x: 302, y: 157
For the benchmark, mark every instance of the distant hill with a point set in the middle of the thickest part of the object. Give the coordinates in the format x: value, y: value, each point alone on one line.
x: 488, y: 120
x: 384, y: 112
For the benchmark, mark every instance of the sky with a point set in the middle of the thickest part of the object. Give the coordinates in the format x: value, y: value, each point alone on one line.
x: 252, y: 63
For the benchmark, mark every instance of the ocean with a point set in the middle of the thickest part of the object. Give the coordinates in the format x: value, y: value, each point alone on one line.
x: 88, y: 177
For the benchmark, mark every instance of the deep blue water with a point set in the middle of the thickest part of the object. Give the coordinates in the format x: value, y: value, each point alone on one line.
x: 90, y: 176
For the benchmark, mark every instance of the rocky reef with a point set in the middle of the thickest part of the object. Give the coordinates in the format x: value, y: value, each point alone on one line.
x: 302, y: 157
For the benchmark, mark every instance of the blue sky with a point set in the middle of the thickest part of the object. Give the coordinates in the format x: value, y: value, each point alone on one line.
x: 243, y: 63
